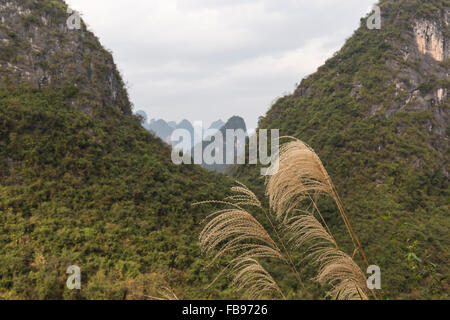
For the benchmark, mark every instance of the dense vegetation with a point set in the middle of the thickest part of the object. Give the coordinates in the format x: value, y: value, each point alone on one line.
x: 96, y: 191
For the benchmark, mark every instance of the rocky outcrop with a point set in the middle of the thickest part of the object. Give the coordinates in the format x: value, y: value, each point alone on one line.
x: 38, y: 48
x: 441, y: 95
x: 420, y: 72
x: 430, y: 39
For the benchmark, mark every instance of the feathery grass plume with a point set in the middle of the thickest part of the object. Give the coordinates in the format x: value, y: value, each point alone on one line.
x: 336, y: 268
x: 302, y: 176
x: 251, y: 277
x: 342, y: 273
x: 301, y: 179
x: 235, y: 231
x: 244, y: 196
x: 166, y: 294
x: 307, y: 229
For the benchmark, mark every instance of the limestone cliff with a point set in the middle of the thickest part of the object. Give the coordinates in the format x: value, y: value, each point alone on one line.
x: 431, y: 37
x: 37, y: 47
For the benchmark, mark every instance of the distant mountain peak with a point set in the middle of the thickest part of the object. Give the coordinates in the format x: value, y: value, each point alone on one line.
x: 217, y: 124
x: 235, y: 122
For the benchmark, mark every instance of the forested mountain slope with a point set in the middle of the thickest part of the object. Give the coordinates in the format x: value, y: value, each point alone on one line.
x: 81, y: 182
x: 377, y: 113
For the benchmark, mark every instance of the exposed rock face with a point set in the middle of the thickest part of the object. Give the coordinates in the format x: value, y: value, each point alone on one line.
x: 421, y: 84
x: 431, y: 40
x: 441, y: 95
x: 37, y: 47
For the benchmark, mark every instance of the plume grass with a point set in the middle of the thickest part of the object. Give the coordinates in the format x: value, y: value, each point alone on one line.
x: 296, y: 225
x: 254, y: 280
x: 302, y: 176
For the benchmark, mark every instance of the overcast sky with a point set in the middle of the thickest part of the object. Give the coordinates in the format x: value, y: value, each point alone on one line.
x: 212, y: 59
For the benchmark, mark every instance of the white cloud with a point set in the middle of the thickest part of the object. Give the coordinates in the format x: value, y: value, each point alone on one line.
x: 211, y: 59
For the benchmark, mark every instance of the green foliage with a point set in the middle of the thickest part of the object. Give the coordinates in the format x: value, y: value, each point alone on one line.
x: 97, y: 191
x: 30, y: 20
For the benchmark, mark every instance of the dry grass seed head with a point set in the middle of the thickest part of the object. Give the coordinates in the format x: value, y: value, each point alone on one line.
x: 338, y: 269
x: 306, y: 229
x: 301, y: 176
x: 251, y: 276
x: 235, y: 231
